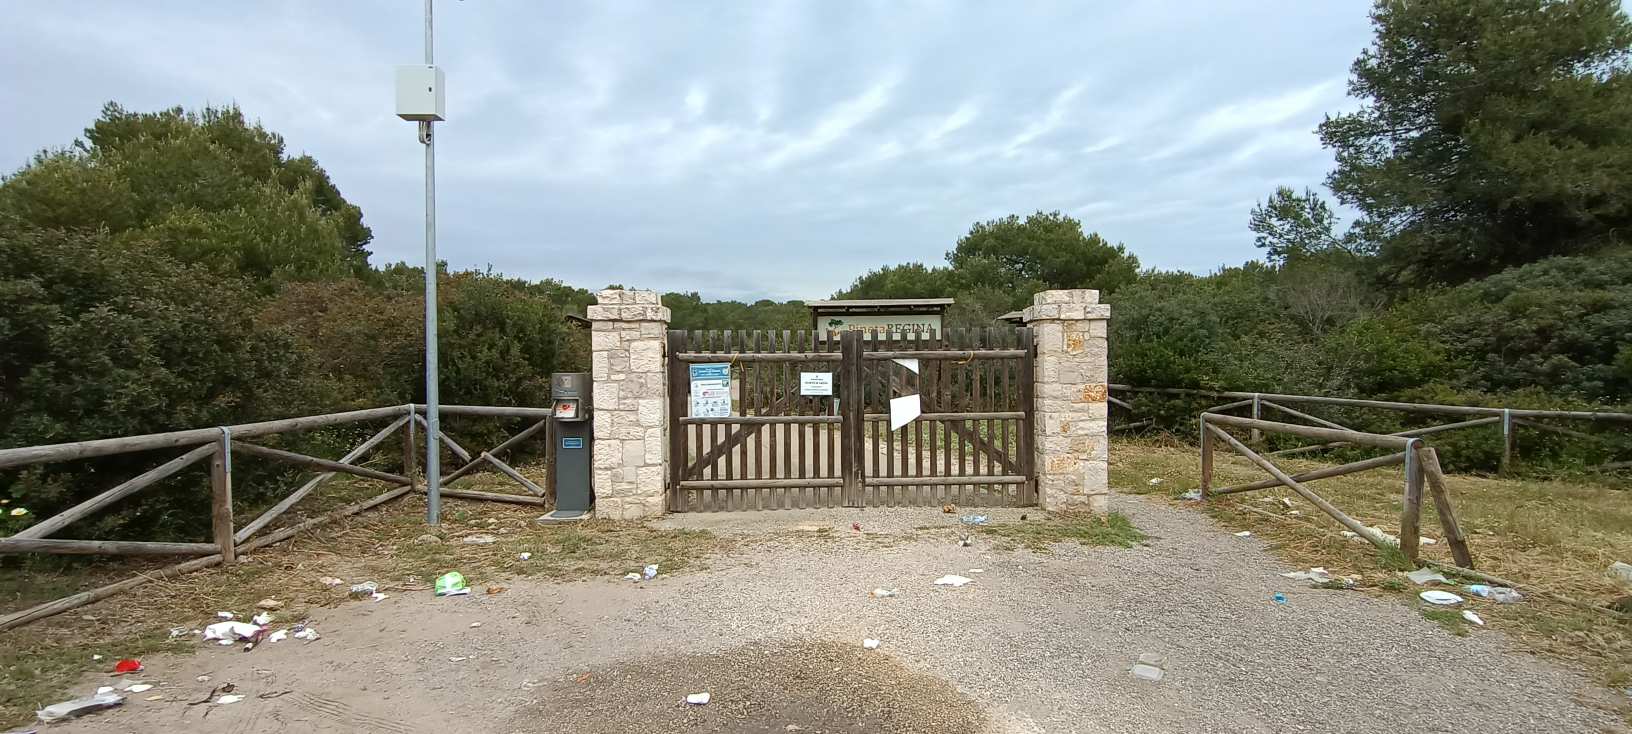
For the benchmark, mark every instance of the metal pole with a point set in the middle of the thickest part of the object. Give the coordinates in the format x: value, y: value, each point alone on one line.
x: 433, y: 452
x: 1507, y: 440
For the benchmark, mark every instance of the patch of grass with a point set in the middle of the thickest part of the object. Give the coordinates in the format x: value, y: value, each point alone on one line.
x: 1556, y: 535
x: 1450, y: 619
x: 40, y: 663
x: 1113, y: 529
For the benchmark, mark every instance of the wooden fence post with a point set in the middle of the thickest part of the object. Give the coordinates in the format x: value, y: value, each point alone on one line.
x: 1256, y: 436
x: 1411, y: 509
x: 410, y: 459
x: 1206, y: 459
x: 221, y: 496
x: 1507, y: 440
x: 853, y: 413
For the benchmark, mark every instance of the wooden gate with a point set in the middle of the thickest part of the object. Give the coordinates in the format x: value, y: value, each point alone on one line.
x: 782, y: 447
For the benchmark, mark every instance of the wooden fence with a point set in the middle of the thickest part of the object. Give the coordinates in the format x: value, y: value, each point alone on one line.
x: 218, y: 445
x: 1420, y: 460
x: 1509, y: 419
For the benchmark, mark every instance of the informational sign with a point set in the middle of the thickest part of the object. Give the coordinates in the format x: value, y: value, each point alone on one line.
x: 894, y: 325
x: 572, y: 442
x: 711, y: 390
x: 904, y: 410
x: 815, y: 383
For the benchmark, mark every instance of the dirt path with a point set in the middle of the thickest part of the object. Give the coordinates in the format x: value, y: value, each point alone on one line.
x: 1038, y: 643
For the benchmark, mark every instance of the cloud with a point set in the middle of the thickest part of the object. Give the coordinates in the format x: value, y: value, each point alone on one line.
x: 775, y: 149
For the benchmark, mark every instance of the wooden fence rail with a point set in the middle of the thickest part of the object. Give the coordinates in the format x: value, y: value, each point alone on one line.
x: 218, y: 445
x: 1421, y: 466
x: 1508, y: 418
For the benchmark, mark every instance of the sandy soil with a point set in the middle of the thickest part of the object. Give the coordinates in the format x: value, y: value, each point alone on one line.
x: 1038, y: 643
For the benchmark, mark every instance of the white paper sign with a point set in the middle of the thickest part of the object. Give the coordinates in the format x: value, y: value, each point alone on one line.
x: 815, y: 383
x: 911, y: 364
x: 711, y: 390
x: 903, y: 410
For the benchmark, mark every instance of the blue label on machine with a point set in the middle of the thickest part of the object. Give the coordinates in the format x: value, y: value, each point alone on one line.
x: 571, y: 443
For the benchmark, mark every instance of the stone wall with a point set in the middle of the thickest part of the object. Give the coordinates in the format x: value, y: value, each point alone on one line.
x: 1072, y: 441
x: 631, y: 403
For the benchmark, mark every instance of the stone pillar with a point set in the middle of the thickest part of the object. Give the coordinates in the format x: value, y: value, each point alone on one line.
x: 1072, y: 442
x: 627, y: 364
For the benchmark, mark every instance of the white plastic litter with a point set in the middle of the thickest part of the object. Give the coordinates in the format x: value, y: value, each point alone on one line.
x: 278, y: 636
x: 1498, y: 594
x: 1442, y: 598
x: 1318, y: 575
x: 1149, y: 667
x: 1621, y: 572
x: 649, y: 572
x: 261, y: 620
x: 308, y: 634
x: 697, y: 699
x: 1244, y: 534
x: 1154, y: 481
x: 79, y: 707
x: 870, y: 643
x: 230, y: 632
x: 226, y: 615
x: 953, y: 580
x: 1424, y: 576
x: 140, y: 688
x: 104, y: 689
x: 977, y: 570
x: 631, y: 577
x: 883, y: 593
x: 1471, y: 617
x: 229, y: 698
x: 525, y: 556
x: 475, y: 624
x: 378, y: 596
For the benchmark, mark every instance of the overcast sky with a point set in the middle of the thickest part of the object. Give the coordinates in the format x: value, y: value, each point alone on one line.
x: 739, y: 149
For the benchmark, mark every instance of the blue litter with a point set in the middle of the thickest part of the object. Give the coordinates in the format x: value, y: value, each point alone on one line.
x: 975, y: 519
x: 1280, y: 598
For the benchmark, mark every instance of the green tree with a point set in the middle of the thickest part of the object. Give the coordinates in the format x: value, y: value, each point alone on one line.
x: 1292, y: 226
x: 207, y: 187
x: 1493, y: 133
x: 1044, y: 250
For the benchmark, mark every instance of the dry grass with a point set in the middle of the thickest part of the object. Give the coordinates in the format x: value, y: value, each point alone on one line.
x: 41, y: 661
x: 1558, y: 536
x: 1112, y: 529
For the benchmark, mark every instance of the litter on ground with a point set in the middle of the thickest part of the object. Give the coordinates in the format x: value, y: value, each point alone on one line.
x: 1192, y: 495
x: 230, y: 632
x: 452, y: 583
x: 1442, y: 598
x: 1244, y: 534
x: 229, y: 698
x: 649, y: 572
x: 1424, y: 576
x: 79, y: 707
x: 870, y: 643
x: 140, y: 688
x: 883, y: 593
x: 128, y: 665
x: 697, y: 699
x: 953, y: 580
x: 631, y: 576
x: 1498, y: 594
x: 974, y: 519
x: 1471, y: 617
x: 1149, y: 667
x: 1316, y: 575
x: 480, y: 539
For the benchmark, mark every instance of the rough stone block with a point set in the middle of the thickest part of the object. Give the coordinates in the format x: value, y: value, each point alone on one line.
x: 1092, y: 393
x: 634, y: 453
x: 646, y: 355
x: 599, y: 366
x: 650, y: 412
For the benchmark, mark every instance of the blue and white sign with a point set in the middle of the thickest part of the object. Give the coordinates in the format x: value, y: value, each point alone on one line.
x: 711, y: 390
x: 572, y: 442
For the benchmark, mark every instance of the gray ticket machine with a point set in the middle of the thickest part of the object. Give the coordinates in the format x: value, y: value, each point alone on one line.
x: 572, y: 430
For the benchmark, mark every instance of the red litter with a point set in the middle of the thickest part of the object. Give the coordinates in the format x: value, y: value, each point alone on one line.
x: 127, y: 665
x: 856, y: 526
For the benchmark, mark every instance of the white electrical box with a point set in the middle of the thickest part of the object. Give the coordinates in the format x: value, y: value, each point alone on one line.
x: 420, y: 93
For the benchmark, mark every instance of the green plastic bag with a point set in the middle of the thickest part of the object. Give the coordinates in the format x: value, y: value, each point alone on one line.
x: 452, y: 583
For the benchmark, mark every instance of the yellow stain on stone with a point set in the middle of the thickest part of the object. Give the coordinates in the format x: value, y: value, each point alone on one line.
x: 1094, y: 393
x: 1074, y: 343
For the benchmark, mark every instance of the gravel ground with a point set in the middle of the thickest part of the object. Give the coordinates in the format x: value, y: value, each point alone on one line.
x: 1038, y: 643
